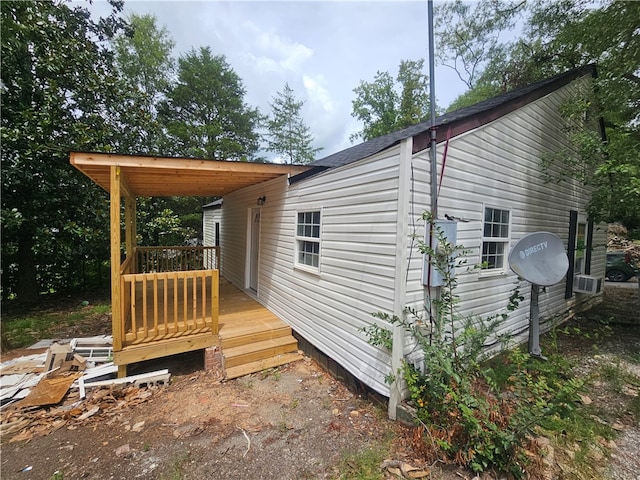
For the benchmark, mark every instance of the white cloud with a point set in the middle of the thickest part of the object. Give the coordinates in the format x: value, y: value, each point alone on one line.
x: 322, y: 49
x: 317, y: 93
x: 276, y: 49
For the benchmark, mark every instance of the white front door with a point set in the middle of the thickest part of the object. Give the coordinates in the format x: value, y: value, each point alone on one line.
x: 254, y: 248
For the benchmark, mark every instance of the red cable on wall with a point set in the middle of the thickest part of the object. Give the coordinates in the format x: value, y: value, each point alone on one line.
x: 444, y: 160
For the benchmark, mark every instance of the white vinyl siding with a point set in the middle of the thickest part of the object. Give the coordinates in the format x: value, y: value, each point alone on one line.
x: 368, y: 255
x: 211, y: 222
x: 498, y: 165
x: 358, y: 230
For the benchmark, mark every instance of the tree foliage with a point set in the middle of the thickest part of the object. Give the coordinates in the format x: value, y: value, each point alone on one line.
x: 143, y: 57
x: 205, y: 115
x: 468, y: 34
x: 287, y: 134
x: 559, y: 36
x: 386, y: 105
x: 59, y: 92
x: 70, y: 82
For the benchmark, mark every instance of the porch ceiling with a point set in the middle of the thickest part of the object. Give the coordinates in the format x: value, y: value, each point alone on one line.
x: 163, y: 176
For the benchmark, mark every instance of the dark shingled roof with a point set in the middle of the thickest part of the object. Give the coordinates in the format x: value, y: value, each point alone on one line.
x: 213, y: 205
x: 457, y: 122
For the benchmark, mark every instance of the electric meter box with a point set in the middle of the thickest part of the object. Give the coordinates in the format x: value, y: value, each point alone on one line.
x: 430, y: 275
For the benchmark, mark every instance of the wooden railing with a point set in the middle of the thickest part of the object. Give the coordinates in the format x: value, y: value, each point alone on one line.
x: 127, y: 266
x: 157, y: 306
x: 176, y: 259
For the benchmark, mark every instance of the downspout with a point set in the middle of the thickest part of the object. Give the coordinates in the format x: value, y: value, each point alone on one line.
x: 432, y: 293
x: 432, y: 106
x: 397, y: 352
x: 432, y: 146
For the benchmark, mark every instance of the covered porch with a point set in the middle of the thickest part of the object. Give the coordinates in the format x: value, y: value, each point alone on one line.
x: 169, y: 300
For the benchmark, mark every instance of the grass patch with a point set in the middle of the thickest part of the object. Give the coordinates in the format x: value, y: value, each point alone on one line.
x: 634, y: 408
x: 614, y: 375
x: 101, y: 309
x: 22, y: 332
x: 26, y: 328
x: 176, y: 470
x: 364, y: 464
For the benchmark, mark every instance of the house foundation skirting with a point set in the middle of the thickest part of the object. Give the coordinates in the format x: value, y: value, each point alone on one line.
x: 339, y: 373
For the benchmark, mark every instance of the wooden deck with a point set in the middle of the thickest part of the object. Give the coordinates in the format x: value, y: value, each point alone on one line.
x: 251, y: 337
x: 165, y: 318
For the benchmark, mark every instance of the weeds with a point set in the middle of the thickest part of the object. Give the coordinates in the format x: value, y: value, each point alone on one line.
x: 634, y: 408
x: 469, y: 413
x: 614, y: 375
x: 363, y: 465
x: 176, y: 470
x: 274, y: 373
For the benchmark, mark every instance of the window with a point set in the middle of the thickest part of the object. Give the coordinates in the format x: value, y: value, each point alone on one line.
x: 579, y: 249
x: 495, y: 239
x: 581, y: 243
x: 308, y: 239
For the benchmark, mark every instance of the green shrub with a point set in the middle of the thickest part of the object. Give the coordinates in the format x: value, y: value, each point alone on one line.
x: 467, y: 413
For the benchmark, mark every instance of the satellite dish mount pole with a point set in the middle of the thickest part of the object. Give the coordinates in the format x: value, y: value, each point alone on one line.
x: 534, y: 323
x: 540, y: 259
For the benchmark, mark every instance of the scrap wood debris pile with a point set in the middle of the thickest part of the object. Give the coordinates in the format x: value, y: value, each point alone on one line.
x: 66, y: 383
x: 617, y: 240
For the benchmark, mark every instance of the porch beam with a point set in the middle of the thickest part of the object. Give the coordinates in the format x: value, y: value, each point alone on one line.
x: 164, y: 348
x: 133, y: 161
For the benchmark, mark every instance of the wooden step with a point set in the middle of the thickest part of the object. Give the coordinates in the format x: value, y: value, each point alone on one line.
x: 251, y: 336
x: 232, y: 357
x: 259, y: 365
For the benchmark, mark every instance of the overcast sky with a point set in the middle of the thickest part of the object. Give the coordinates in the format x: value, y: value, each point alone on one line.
x: 322, y: 49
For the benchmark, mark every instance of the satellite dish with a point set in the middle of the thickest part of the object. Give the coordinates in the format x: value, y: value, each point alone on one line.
x: 540, y: 259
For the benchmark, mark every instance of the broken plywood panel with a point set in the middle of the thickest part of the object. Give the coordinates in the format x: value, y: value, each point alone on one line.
x: 49, y: 391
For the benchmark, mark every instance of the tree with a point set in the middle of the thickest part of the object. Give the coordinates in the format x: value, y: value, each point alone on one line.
x: 59, y: 92
x: 609, y: 37
x: 143, y: 57
x: 562, y: 35
x: 385, y: 105
x: 287, y: 134
x: 468, y: 34
x: 205, y: 114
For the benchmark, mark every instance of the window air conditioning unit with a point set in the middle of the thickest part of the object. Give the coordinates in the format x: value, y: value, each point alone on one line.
x: 587, y: 284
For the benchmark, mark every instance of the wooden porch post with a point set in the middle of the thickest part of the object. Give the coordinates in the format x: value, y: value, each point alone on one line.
x: 116, y: 260
x: 130, y: 230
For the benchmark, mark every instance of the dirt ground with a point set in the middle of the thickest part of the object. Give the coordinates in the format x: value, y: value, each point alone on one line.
x: 294, y: 422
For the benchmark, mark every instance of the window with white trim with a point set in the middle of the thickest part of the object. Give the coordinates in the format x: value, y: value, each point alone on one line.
x: 580, y: 247
x: 495, y: 239
x: 308, y: 239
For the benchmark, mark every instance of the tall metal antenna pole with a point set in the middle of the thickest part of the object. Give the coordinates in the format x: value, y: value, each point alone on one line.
x: 432, y: 105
